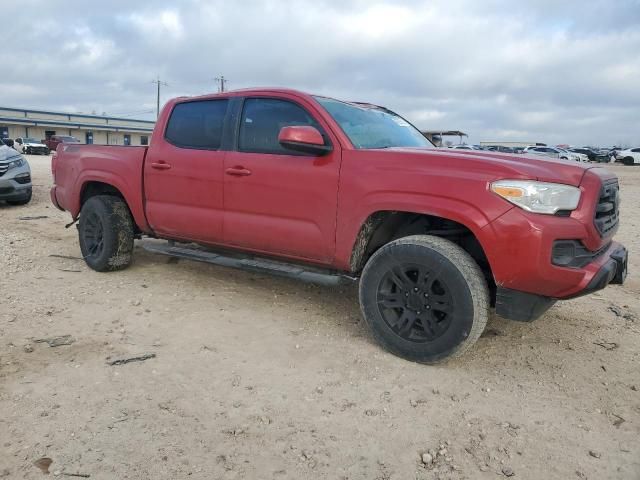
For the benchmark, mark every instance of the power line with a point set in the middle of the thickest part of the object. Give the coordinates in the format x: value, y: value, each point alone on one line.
x: 158, y: 82
x: 132, y: 114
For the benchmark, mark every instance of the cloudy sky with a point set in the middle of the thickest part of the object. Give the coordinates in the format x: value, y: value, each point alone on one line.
x: 557, y: 71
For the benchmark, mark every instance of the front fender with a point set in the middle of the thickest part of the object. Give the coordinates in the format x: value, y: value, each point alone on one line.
x: 460, y: 210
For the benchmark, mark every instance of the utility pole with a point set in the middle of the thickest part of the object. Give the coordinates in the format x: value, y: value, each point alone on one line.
x: 158, y: 82
x: 221, y: 81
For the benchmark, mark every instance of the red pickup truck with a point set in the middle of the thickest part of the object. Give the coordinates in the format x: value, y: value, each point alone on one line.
x: 54, y: 140
x: 325, y: 190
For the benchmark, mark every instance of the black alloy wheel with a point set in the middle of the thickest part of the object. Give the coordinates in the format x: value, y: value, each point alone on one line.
x: 415, y: 303
x: 424, y: 298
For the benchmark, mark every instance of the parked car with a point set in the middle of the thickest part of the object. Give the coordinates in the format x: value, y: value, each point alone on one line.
x: 592, y: 155
x: 500, y: 148
x: 53, y: 141
x: 630, y: 156
x: 30, y: 146
x: 337, y: 191
x: 576, y: 156
x: 15, y: 177
x: 464, y: 146
x: 552, y: 152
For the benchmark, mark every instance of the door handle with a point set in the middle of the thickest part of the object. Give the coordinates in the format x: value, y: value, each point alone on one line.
x: 238, y: 171
x: 160, y: 165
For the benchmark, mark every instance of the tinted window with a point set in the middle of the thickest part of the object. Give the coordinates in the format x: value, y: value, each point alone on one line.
x: 262, y: 120
x: 636, y: 150
x: 197, y: 124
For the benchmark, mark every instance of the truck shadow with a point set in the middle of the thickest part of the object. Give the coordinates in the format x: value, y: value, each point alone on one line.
x: 327, y: 311
x: 332, y: 305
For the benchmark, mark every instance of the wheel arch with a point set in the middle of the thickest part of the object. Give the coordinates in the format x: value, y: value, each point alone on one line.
x: 92, y: 187
x: 384, y: 226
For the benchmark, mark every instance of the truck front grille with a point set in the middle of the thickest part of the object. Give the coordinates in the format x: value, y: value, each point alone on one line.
x: 607, y: 210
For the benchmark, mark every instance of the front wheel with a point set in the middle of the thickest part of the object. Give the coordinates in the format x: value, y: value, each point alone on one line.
x: 424, y: 298
x: 106, y: 233
x: 628, y: 161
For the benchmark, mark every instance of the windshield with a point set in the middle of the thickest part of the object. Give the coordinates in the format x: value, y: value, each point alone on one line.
x: 30, y: 140
x: 68, y: 139
x: 368, y: 126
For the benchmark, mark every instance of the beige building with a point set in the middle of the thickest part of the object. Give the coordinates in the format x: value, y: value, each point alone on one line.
x: 101, y: 130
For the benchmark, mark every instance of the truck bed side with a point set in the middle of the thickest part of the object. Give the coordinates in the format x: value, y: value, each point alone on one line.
x: 76, y: 168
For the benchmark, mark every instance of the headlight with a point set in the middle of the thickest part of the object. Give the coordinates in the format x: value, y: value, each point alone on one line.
x: 18, y: 162
x: 538, y: 197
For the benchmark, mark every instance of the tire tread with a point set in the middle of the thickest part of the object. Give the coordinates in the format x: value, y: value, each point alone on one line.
x: 470, y: 271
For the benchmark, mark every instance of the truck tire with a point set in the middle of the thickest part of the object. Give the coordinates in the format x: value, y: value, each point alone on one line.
x: 424, y: 298
x: 22, y: 201
x: 106, y: 233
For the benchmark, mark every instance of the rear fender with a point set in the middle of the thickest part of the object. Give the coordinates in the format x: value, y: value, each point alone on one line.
x: 124, y: 186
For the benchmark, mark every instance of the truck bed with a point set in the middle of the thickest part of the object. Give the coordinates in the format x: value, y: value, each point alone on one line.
x: 118, y: 166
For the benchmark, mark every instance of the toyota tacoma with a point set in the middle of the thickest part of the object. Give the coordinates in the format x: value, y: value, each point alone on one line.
x: 325, y: 190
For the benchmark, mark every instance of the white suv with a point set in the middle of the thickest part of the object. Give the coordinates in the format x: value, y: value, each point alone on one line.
x: 553, y: 152
x: 629, y: 156
x: 30, y: 146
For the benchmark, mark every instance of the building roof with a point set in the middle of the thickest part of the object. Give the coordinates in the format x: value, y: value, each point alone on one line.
x: 83, y: 115
x: 29, y: 117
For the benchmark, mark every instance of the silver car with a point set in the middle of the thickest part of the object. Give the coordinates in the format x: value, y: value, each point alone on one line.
x: 15, y: 177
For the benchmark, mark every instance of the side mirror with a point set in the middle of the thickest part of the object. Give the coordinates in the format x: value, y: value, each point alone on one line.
x: 303, y: 139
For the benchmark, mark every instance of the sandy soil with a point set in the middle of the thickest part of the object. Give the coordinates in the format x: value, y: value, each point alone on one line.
x: 261, y: 377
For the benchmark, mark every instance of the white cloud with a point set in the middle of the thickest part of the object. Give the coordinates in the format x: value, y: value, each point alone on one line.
x: 560, y: 72
x: 165, y: 22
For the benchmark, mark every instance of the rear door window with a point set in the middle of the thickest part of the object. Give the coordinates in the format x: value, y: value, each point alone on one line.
x: 197, y: 124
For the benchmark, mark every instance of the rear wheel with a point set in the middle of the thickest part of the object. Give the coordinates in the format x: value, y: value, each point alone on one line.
x: 424, y: 298
x: 106, y: 233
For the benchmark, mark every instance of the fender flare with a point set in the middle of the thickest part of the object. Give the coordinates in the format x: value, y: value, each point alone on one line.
x: 117, y: 182
x: 459, y: 211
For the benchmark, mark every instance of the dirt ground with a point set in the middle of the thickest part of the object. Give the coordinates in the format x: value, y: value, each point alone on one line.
x: 258, y: 377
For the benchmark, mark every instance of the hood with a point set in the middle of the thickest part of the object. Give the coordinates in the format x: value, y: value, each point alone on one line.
x: 505, y: 165
x: 7, y: 153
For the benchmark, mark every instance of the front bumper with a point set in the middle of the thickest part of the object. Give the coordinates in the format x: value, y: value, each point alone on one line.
x: 526, y: 307
x: 12, y: 189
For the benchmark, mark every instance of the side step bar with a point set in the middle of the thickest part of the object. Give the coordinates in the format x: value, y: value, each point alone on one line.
x: 248, y: 262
